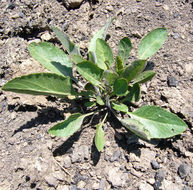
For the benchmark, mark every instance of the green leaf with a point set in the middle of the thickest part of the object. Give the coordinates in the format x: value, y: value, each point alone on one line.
x: 51, y: 57
x: 109, y: 77
x: 100, y: 34
x: 120, y: 87
x: 134, y: 93
x: 87, y: 94
x: 136, y: 127
x: 120, y: 107
x: 133, y: 70
x: 90, y: 104
x: 64, y: 39
x: 104, y: 55
x: 91, y: 57
x: 159, y: 122
x: 151, y: 43
x: 69, y: 126
x: 124, y: 49
x: 77, y: 59
x: 100, y: 101
x: 41, y: 84
x: 118, y: 65
x: 144, y: 77
x: 90, y: 72
x: 100, y: 135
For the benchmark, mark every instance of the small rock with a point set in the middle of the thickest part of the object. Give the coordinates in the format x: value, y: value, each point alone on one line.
x: 116, y: 177
x: 11, y: 6
x: 102, y: 184
x: 46, y: 36
x: 155, y: 165
x: 81, y: 184
x: 159, y: 176
x: 116, y: 155
x: 183, y: 170
x: 172, y: 81
x: 67, y: 162
x: 51, y: 180
x: 170, y: 185
x: 151, y: 181
x: 157, y: 185
x: 72, y: 4
x: 165, y: 7
x: 145, y: 186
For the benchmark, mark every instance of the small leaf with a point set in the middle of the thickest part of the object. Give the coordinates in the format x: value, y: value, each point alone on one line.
x: 100, y: 101
x: 104, y: 55
x: 64, y: 39
x: 100, y: 135
x: 124, y: 49
x: 144, y: 77
x: 133, y: 70
x: 120, y: 87
x: 134, y: 93
x: 41, y: 84
x: 120, y: 107
x: 109, y: 77
x: 100, y: 34
x: 69, y: 126
x: 90, y: 72
x: 77, y: 59
x: 118, y: 65
x: 90, y: 104
x: 51, y: 57
x: 151, y: 43
x: 87, y: 94
x: 159, y: 122
x: 136, y: 127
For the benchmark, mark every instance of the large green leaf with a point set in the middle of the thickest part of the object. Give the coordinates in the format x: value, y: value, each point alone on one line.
x: 90, y: 72
x: 136, y: 127
x: 159, y: 122
x: 69, y: 126
x: 67, y: 44
x: 104, y: 54
x: 100, y: 135
x: 144, y: 77
x: 109, y: 77
x: 151, y: 43
x: 100, y: 34
x: 120, y: 107
x: 124, y: 49
x: 41, y: 84
x: 133, y: 70
x: 120, y: 87
x: 51, y: 57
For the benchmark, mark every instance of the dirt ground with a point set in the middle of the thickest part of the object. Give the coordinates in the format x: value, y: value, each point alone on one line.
x: 32, y: 159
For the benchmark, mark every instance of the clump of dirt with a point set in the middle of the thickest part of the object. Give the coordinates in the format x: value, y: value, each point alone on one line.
x: 32, y: 159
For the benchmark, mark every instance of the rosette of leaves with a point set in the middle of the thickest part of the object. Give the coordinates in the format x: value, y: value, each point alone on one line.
x: 112, y: 83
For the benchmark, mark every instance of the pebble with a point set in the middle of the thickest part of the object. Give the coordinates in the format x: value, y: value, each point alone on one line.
x: 67, y: 162
x: 155, y: 164
x: 51, y: 181
x: 172, y: 81
x: 11, y: 6
x: 81, y: 184
x: 102, y: 184
x: 116, y: 155
x: 145, y: 186
x: 157, y: 185
x: 159, y: 176
x: 72, y: 4
x: 183, y: 170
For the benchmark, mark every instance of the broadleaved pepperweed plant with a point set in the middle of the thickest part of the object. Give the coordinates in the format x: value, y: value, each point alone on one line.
x: 112, y: 84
